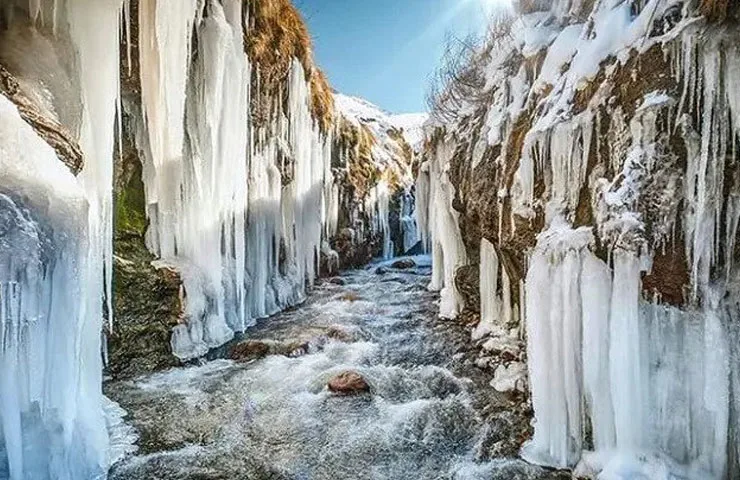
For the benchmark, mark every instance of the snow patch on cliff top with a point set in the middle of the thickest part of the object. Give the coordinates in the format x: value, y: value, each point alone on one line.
x: 361, y: 112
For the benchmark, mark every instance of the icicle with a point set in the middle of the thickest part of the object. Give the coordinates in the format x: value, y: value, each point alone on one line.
x: 490, y: 305
x: 50, y: 315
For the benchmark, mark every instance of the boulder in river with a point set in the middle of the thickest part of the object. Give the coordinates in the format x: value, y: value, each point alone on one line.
x: 250, y: 350
x: 348, y: 383
x: 403, y: 264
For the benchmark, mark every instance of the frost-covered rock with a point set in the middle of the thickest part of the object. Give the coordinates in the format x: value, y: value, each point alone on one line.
x: 511, y: 377
x: 590, y: 166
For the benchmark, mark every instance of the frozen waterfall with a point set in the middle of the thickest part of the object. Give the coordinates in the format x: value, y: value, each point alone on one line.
x: 215, y: 183
x: 51, y: 414
x: 652, y: 380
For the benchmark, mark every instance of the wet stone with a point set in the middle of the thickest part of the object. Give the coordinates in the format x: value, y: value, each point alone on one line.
x: 348, y: 383
x: 404, y: 264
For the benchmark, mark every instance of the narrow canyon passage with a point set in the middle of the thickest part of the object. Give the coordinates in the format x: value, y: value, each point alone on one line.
x: 275, y: 418
x: 224, y: 256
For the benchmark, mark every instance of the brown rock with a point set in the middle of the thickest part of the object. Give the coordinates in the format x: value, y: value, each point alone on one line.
x: 403, y: 264
x: 348, y: 383
x: 340, y: 334
x: 250, y: 350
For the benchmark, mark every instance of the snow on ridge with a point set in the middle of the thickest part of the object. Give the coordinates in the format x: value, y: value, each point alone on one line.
x: 361, y: 112
x: 412, y: 125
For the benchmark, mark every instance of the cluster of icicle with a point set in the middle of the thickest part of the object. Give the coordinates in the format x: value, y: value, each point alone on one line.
x: 245, y: 244
x: 621, y: 387
x: 55, y: 253
x: 438, y: 225
x: 377, y: 204
x: 658, y: 385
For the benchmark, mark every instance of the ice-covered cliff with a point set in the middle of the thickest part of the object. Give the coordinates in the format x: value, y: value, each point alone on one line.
x: 201, y: 136
x: 585, y: 159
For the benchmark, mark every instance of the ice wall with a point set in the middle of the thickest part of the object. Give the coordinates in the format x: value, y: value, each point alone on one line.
x: 652, y: 381
x: 50, y: 315
x: 245, y: 241
x: 55, y: 260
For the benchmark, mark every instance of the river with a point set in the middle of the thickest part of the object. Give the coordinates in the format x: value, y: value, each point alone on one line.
x: 430, y: 413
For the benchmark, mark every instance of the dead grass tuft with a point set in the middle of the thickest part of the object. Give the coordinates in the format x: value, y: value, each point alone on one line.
x: 276, y: 36
x: 715, y: 10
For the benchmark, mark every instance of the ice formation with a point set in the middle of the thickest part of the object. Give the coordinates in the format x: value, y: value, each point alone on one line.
x: 611, y: 367
x: 50, y: 328
x: 56, y: 259
x: 214, y: 182
x: 597, y: 352
x: 438, y: 222
x: 409, y: 229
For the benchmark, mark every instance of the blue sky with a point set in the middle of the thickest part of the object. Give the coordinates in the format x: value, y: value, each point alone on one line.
x: 385, y: 50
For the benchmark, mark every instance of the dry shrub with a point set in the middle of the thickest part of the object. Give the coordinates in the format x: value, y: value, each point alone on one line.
x: 277, y: 34
x: 461, y: 79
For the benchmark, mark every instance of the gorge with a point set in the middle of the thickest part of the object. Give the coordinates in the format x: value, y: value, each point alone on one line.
x: 201, y: 240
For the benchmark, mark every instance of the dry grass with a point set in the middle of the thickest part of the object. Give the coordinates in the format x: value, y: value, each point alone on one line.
x: 715, y: 10
x: 322, y: 100
x: 276, y: 36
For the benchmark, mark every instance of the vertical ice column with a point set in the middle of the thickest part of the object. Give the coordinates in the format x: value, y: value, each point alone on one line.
x: 51, y: 416
x: 448, y: 249
x: 625, y: 354
x: 422, y: 206
x: 596, y: 290
x: 409, y: 226
x: 94, y: 28
x: 555, y: 310
x: 165, y: 34
x: 488, y: 280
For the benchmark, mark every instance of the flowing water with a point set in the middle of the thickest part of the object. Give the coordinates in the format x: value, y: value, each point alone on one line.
x: 274, y: 418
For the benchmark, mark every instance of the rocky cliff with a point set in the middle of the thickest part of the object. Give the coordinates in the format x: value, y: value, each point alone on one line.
x: 171, y: 173
x: 579, y: 196
x: 278, y: 79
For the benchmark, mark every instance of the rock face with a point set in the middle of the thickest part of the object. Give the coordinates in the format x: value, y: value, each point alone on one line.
x: 579, y: 185
x: 362, y: 175
x: 348, y: 383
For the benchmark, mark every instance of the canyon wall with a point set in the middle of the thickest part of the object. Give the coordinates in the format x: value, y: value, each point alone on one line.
x: 202, y: 138
x: 579, y: 197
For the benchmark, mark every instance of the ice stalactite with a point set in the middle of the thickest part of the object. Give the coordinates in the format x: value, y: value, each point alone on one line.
x: 94, y: 28
x: 378, y: 204
x: 409, y: 228
x: 448, y: 250
x: 165, y: 38
x: 421, y: 212
x: 709, y: 72
x: 245, y: 241
x: 641, y: 374
x: 53, y: 425
x: 490, y: 304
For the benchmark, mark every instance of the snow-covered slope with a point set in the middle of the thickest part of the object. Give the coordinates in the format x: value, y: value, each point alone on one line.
x: 412, y: 125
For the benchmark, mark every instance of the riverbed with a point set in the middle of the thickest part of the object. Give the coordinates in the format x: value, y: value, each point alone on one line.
x: 429, y: 414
